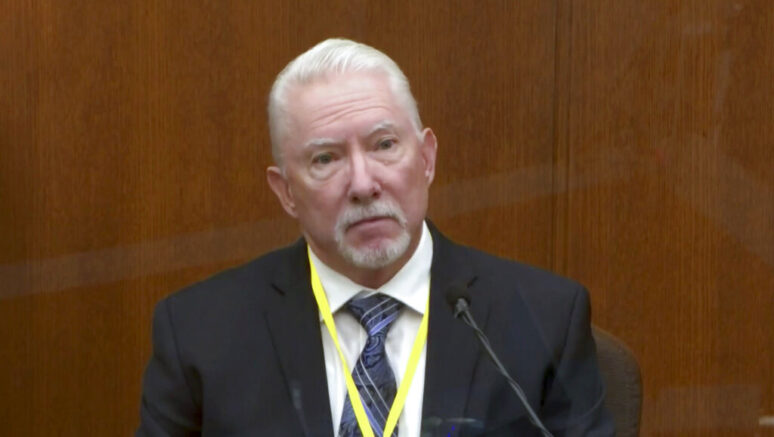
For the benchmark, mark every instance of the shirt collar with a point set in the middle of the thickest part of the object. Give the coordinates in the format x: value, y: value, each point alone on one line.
x: 411, y: 285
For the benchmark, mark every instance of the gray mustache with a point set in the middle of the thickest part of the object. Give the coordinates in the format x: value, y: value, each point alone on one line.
x: 377, y: 209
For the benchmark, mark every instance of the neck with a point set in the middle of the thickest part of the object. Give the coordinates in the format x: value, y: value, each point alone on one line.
x: 373, y: 279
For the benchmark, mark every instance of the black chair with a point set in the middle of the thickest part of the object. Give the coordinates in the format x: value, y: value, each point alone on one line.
x: 623, y: 382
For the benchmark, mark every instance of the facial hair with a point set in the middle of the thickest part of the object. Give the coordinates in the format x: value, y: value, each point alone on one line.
x: 372, y: 257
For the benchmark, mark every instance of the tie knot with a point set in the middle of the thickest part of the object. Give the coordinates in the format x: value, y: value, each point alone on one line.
x: 375, y: 313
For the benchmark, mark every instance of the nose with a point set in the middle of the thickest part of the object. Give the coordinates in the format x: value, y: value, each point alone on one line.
x: 363, y: 184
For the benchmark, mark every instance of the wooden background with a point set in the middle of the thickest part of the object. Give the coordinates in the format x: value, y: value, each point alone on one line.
x: 628, y: 144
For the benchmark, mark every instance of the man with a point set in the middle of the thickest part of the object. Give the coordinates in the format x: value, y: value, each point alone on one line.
x: 327, y: 337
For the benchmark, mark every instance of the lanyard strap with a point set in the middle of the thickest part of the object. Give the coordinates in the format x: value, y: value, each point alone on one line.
x: 354, y: 396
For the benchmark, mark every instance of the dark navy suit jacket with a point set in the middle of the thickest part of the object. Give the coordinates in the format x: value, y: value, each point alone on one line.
x: 240, y: 354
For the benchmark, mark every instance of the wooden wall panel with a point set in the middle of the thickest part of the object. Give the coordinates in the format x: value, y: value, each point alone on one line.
x: 133, y: 152
x: 670, y: 201
x: 626, y: 144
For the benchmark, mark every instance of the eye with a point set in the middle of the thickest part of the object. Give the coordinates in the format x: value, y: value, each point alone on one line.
x: 385, y: 144
x: 322, y: 158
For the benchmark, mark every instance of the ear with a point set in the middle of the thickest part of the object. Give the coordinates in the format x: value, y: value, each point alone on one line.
x: 428, y: 149
x: 281, y: 189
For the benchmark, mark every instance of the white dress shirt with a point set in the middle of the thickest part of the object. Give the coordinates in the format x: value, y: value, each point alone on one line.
x: 411, y: 286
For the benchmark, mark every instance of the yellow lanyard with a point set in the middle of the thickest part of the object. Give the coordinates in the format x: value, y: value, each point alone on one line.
x: 354, y: 396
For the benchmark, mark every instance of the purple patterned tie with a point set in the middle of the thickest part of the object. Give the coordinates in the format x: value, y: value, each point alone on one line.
x: 372, y: 374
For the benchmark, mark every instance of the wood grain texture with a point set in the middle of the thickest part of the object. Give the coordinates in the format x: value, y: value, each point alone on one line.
x: 626, y: 144
x: 671, y: 199
x: 133, y: 152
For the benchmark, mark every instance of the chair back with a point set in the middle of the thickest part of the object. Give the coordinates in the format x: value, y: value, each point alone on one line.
x: 623, y: 383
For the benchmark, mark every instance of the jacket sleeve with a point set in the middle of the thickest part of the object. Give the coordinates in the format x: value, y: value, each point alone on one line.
x: 575, y: 403
x: 168, y: 407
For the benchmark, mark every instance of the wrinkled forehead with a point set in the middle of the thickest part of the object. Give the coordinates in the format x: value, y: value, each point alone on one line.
x: 340, y: 101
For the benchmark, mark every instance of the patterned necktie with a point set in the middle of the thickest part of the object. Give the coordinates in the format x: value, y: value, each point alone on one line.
x: 372, y: 374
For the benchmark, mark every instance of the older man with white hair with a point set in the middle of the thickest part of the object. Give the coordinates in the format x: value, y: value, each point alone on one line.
x: 347, y: 332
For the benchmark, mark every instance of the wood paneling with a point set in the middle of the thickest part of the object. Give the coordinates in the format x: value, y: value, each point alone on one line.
x: 133, y: 152
x: 493, y: 116
x: 626, y: 144
x: 671, y: 199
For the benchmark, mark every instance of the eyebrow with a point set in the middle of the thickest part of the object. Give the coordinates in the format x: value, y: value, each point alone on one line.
x: 320, y: 142
x: 382, y: 126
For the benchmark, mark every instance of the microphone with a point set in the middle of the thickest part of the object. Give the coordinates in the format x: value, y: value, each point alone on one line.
x: 458, y: 297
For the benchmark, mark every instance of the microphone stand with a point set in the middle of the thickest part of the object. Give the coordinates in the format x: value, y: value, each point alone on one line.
x: 461, y: 309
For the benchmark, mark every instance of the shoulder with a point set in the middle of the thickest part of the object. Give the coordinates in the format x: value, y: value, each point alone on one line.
x: 536, y: 285
x: 500, y: 273
x: 523, y: 295
x: 547, y: 295
x: 246, y: 284
x: 540, y: 288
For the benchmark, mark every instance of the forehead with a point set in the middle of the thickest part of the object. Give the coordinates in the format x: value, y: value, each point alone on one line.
x: 341, y: 103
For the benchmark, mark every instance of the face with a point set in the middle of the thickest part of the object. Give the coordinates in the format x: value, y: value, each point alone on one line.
x: 356, y: 172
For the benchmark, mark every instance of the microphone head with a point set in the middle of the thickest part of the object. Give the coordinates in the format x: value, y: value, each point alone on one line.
x: 455, y: 292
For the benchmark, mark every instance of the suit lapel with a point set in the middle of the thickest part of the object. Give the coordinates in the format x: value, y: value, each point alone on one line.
x: 295, y: 329
x: 452, y: 348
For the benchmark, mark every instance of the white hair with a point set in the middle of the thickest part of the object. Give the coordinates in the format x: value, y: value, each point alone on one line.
x: 333, y: 56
